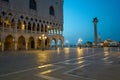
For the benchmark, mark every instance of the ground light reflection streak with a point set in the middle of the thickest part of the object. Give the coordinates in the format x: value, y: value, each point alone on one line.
x: 42, y: 57
x: 80, y: 54
x: 67, y: 51
x: 106, y: 55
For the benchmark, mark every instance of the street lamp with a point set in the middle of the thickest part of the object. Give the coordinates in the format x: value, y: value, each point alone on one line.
x: 43, y: 38
x: 80, y: 42
x: 67, y: 42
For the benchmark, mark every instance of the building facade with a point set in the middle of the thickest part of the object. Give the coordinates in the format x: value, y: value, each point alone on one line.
x: 31, y: 24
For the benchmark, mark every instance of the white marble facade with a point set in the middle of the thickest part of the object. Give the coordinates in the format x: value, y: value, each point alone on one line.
x: 31, y: 24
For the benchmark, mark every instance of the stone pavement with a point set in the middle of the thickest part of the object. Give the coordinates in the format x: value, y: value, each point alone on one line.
x: 67, y: 64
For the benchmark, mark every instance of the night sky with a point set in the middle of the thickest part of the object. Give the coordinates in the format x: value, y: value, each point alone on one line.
x: 79, y: 14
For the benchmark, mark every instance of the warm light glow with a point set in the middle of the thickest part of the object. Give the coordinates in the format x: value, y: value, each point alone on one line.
x: 106, y: 53
x: 48, y: 27
x: 7, y: 22
x: 23, y: 27
x: 58, y: 50
x: 42, y: 57
x: 45, y: 66
x: 43, y: 37
x: 80, y: 52
x: 0, y: 43
x: 67, y: 50
x: 13, y: 39
x: 46, y: 72
x: 40, y: 37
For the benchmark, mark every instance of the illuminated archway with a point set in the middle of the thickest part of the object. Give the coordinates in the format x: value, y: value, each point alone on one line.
x: 39, y: 43
x: 12, y: 24
x: 47, y: 43
x: 6, y: 23
x: 31, y: 43
x: 59, y: 43
x: 19, y: 25
x: 21, y: 43
x: 53, y: 43
x: 9, y: 43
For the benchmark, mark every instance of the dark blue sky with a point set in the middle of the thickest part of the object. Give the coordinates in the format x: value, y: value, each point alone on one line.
x: 79, y: 14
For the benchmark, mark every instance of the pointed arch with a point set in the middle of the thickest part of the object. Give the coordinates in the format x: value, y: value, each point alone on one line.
x: 9, y: 43
x: 12, y: 24
x: 53, y: 42
x: 0, y: 21
x: 21, y: 43
x: 29, y: 27
x: 46, y: 28
x: 42, y: 28
x: 31, y: 43
x: 33, y: 27
x: 19, y: 24
x: 6, y: 22
x: 24, y: 23
x: 59, y: 42
x: 39, y: 43
x: 38, y: 27
x: 47, y: 43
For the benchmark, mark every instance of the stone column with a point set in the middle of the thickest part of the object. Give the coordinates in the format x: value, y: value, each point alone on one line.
x: 35, y: 44
x: 26, y: 44
x: 40, y: 28
x: 15, y: 44
x: 3, y: 24
x: 56, y: 44
x: 53, y: 31
x: 62, y: 44
x: 43, y: 28
x: 31, y: 28
x: 15, y: 25
x: 2, y: 45
x: 36, y: 28
x: 59, y: 32
x: 10, y: 27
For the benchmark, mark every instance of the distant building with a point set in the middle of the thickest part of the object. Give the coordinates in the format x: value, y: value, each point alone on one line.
x: 30, y: 24
x: 110, y: 43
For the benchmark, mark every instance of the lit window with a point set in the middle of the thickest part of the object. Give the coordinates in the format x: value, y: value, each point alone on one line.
x: 32, y: 4
x: 51, y: 11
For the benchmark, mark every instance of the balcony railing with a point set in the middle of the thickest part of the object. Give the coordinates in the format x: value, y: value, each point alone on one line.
x: 28, y: 31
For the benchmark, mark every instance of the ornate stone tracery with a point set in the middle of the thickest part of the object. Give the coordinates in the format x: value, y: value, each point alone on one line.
x: 21, y: 31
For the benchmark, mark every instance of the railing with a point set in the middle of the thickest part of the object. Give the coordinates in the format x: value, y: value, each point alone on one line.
x: 28, y: 32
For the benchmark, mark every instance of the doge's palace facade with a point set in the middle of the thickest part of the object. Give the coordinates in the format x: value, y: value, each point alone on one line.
x: 31, y: 24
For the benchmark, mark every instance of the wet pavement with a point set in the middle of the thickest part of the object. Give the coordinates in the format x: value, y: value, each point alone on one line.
x: 61, y: 64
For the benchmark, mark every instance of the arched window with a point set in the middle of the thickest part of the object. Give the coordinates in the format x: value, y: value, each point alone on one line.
x: 6, y: 0
x: 51, y: 11
x: 0, y: 21
x: 32, y: 4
